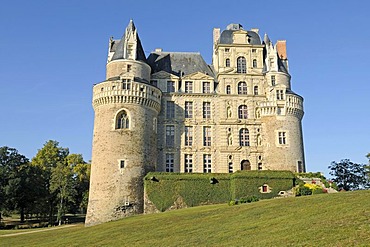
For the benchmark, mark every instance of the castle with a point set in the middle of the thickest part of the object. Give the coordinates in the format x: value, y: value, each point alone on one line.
x: 172, y: 112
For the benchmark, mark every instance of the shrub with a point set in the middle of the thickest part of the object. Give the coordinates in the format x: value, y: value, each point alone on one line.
x: 163, y: 189
x: 304, y: 191
x: 233, y: 202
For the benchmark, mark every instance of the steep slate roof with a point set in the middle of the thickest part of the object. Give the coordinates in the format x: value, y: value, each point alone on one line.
x: 178, y: 63
x: 282, y: 66
x: 118, y: 46
x: 227, y: 37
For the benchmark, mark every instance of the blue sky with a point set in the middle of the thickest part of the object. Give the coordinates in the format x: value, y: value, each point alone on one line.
x: 52, y: 52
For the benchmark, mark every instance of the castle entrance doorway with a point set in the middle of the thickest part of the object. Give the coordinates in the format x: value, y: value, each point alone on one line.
x: 245, y: 165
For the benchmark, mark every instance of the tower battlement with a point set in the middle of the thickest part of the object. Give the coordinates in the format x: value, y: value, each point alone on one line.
x: 125, y: 91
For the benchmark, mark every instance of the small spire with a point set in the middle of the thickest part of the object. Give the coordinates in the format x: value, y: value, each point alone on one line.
x: 266, y: 39
x: 131, y: 26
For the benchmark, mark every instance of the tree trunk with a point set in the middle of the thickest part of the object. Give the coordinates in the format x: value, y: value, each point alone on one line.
x: 22, y: 215
x: 51, y: 212
x: 60, y: 211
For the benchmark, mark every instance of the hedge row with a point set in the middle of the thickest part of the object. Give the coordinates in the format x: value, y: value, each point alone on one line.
x: 163, y: 189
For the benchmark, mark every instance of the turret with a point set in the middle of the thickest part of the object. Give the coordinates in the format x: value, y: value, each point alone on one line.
x: 126, y: 108
x: 282, y: 112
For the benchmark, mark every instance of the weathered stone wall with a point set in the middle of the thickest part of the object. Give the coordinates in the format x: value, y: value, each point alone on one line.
x: 137, y: 69
x: 116, y: 189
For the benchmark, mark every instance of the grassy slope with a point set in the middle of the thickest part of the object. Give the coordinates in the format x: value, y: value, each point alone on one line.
x: 341, y: 219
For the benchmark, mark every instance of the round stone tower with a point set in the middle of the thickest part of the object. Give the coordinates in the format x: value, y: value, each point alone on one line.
x: 281, y: 114
x: 124, y: 143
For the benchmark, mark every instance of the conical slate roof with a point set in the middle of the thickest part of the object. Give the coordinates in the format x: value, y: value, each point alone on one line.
x: 118, y: 48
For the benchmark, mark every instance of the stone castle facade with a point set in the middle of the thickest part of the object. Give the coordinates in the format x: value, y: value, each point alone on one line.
x: 172, y: 112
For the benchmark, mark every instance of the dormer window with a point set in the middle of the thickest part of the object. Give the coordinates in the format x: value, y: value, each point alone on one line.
x: 170, y: 86
x: 154, y: 82
x: 206, y: 87
x: 188, y: 87
x: 126, y: 84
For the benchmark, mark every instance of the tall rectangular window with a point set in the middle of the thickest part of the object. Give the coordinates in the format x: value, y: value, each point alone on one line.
x: 279, y: 94
x: 228, y: 89
x: 231, y: 169
x: 170, y: 135
x: 241, y: 65
x: 207, y: 163
x: 207, y: 136
x: 170, y: 110
x: 188, y: 86
x: 206, y: 109
x: 244, y: 137
x: 255, y: 90
x: 188, y: 135
x: 260, y: 166
x: 206, y: 87
x: 188, y: 109
x: 227, y: 62
x: 188, y: 163
x: 273, y: 80
x: 282, y: 138
x: 170, y: 86
x: 122, y: 164
x: 300, y: 167
x: 169, y: 162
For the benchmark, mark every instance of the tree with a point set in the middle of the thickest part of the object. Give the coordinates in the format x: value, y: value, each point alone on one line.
x: 48, y: 159
x: 82, y: 177
x: 63, y: 184
x: 16, y: 188
x: 24, y: 188
x: 349, y: 175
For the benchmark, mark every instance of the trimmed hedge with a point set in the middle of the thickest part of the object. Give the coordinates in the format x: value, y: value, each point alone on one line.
x: 163, y: 189
x: 248, y: 183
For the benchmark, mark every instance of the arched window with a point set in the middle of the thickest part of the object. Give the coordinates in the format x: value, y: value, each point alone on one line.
x: 243, y: 112
x: 245, y: 165
x: 122, y: 120
x: 242, y: 87
x: 244, y: 137
x: 227, y: 62
x: 254, y: 63
x: 241, y: 65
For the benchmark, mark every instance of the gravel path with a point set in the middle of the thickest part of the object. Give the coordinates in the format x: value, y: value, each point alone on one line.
x: 42, y: 230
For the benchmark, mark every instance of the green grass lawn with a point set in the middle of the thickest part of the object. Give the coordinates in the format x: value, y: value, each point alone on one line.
x: 341, y: 219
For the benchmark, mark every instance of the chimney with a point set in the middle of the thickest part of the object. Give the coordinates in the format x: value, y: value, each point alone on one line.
x: 281, y: 49
x: 256, y: 30
x: 216, y: 35
x: 158, y: 50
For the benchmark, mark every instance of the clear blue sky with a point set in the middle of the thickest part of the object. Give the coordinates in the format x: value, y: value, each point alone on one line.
x: 52, y: 52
